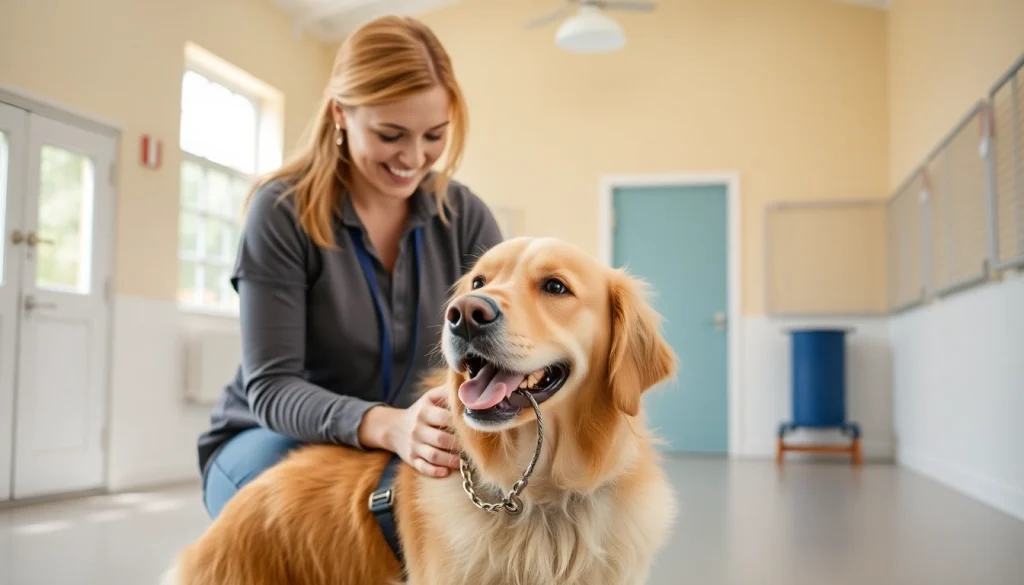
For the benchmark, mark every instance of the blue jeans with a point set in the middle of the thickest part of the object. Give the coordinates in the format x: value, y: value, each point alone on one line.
x: 239, y: 461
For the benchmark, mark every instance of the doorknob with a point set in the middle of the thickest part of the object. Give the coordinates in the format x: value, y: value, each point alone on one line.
x: 718, y: 321
x: 31, y: 303
x: 17, y: 237
x: 33, y: 239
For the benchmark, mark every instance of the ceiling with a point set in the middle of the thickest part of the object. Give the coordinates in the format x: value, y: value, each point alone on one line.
x: 333, y: 20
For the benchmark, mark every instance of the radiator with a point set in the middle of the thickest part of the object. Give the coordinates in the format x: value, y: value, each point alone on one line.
x: 211, y: 359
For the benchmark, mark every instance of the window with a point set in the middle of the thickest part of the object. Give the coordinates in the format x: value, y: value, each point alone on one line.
x: 227, y: 138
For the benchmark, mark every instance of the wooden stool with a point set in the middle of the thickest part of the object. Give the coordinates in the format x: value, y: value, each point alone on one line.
x: 849, y: 429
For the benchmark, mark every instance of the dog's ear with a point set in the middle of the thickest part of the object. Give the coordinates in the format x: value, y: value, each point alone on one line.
x: 639, y: 356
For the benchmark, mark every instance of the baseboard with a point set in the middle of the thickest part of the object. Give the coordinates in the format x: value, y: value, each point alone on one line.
x: 989, y: 491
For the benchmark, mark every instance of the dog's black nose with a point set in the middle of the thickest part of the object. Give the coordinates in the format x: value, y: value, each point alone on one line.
x: 471, y: 315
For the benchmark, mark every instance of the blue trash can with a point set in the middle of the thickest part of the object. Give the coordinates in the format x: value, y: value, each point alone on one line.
x: 819, y: 378
x: 819, y: 389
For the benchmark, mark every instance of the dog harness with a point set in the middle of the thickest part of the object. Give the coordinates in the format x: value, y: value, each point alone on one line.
x: 381, y: 504
x: 382, y: 499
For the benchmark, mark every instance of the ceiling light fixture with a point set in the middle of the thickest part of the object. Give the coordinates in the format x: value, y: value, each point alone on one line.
x: 590, y: 31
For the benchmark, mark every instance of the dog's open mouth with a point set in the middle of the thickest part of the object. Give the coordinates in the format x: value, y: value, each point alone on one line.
x: 489, y: 391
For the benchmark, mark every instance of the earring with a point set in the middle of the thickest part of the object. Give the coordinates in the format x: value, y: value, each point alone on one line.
x: 337, y: 130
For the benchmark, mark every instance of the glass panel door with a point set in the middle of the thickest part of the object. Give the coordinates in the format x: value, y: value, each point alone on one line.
x: 66, y: 259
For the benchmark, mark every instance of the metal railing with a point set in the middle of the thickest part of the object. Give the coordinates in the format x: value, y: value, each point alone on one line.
x: 970, y: 193
x: 956, y: 221
x: 956, y: 197
x: 1005, y: 152
x: 907, y: 255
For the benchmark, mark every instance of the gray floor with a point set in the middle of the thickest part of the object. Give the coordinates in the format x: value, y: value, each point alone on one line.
x: 741, y: 523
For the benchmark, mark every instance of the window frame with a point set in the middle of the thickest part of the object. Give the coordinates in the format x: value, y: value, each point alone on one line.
x: 199, y: 260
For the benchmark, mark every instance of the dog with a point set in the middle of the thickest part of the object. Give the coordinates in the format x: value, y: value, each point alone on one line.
x: 534, y: 315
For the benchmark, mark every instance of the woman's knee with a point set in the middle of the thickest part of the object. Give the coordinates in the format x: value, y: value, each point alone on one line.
x: 240, y: 461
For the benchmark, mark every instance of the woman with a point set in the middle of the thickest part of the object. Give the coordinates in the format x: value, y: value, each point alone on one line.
x: 346, y: 258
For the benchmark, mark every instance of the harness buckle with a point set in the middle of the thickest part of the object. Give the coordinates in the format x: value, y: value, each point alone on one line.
x: 380, y: 501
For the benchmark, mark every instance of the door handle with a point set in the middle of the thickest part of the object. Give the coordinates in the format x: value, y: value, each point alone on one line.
x: 31, y: 303
x: 17, y: 237
x: 719, y: 321
x: 33, y: 239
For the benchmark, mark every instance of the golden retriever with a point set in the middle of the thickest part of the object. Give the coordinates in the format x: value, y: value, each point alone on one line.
x: 536, y: 313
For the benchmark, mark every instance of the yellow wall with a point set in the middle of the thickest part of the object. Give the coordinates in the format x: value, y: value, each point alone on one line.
x: 944, y: 55
x: 827, y: 259
x: 791, y: 94
x: 122, y: 60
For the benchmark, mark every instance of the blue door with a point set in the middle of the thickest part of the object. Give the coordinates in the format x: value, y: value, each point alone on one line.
x: 676, y: 239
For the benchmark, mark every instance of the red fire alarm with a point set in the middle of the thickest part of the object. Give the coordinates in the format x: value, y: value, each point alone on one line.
x: 152, y: 150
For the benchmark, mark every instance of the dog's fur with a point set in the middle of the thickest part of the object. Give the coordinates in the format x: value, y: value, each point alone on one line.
x: 596, y: 509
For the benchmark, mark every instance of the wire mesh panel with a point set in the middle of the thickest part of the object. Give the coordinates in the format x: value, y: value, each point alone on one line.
x: 825, y: 258
x: 905, y: 231
x: 955, y: 183
x: 1007, y: 152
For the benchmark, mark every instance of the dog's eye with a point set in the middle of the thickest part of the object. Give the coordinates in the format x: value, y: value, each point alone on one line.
x: 478, y: 282
x: 555, y: 287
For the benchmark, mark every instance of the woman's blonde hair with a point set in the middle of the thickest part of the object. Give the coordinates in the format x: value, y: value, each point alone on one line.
x: 386, y: 59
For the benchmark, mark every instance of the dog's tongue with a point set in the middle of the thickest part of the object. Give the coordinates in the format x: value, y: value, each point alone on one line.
x: 488, y: 388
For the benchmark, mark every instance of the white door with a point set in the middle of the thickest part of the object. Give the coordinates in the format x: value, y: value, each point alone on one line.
x: 65, y: 243
x: 13, y: 134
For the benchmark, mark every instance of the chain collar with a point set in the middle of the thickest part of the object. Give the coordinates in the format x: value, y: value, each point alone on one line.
x: 511, y: 504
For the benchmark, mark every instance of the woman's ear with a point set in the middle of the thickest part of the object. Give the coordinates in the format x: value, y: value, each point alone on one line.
x: 337, y: 114
x: 639, y: 356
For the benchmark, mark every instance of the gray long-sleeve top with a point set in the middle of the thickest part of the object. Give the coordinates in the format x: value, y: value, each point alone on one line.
x: 310, y: 334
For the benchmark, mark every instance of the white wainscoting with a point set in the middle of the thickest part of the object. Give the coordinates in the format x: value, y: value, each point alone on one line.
x: 959, y: 403
x: 153, y: 427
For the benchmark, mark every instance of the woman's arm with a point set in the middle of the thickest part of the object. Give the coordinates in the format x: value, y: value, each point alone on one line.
x: 273, y: 333
x: 273, y: 349
x: 271, y: 277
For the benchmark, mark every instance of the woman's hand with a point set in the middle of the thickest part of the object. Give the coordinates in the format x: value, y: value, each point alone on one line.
x: 418, y: 434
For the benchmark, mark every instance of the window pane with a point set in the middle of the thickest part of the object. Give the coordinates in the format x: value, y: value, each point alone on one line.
x: 4, y: 163
x: 193, y: 95
x: 241, y: 149
x: 188, y: 234
x: 217, y: 123
x: 187, y: 282
x: 234, y: 233
x: 218, y: 114
x: 218, y: 194
x: 239, y: 192
x: 65, y: 220
x: 215, y: 287
x: 191, y: 185
x: 215, y: 236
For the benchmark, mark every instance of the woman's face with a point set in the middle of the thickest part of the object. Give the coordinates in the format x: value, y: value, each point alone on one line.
x: 394, y: 145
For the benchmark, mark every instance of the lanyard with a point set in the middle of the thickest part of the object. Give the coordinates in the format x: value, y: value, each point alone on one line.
x: 385, y: 338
